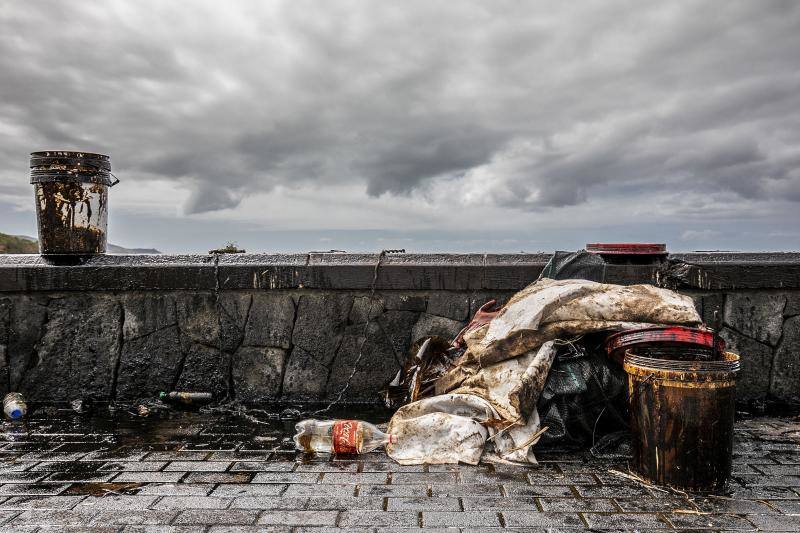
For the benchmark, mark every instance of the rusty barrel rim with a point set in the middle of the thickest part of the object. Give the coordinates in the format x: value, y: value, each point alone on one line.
x: 70, y: 167
x: 695, y: 340
x: 689, y: 371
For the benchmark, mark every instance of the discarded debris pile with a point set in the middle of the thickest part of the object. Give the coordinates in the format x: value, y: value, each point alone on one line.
x: 540, y: 356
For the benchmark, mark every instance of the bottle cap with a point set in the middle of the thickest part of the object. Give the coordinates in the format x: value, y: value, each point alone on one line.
x: 16, y: 413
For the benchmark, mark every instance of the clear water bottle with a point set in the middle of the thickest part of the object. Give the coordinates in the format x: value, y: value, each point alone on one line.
x: 14, y: 405
x: 339, y: 436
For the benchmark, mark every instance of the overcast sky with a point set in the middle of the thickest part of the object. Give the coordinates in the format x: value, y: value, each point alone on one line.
x: 425, y: 125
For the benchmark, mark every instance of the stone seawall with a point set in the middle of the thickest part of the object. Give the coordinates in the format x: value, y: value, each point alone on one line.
x: 291, y: 327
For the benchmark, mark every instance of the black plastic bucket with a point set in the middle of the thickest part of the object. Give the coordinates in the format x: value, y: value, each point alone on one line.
x: 682, y: 415
x: 71, y: 191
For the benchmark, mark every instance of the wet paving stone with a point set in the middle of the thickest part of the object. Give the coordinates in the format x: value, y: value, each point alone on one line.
x: 148, y: 477
x: 177, y: 489
x: 208, y: 472
x: 708, y: 521
x: 423, y: 504
x: 299, y: 518
x: 218, y: 477
x: 498, y: 504
x: 395, y: 490
x: 577, y: 504
x: 227, y: 490
x: 775, y: 522
x: 21, y: 477
x: 333, y: 467
x: 197, y: 466
x: 286, y: 477
x: 77, y: 477
x: 41, y: 502
x: 625, y: 521
x: 654, y: 504
x: 133, y: 466
x: 133, y: 517
x: 112, y: 501
x: 530, y: 519
x: 463, y: 490
x: 202, y: 517
x: 32, y: 489
x: 380, y: 519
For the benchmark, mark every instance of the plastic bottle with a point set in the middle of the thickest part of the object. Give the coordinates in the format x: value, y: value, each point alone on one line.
x: 186, y: 398
x: 14, y: 405
x: 339, y: 436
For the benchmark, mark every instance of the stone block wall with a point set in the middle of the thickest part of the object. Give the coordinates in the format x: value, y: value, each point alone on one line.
x: 276, y: 328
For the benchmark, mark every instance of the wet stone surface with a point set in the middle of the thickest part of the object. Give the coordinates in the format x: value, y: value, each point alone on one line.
x: 187, y: 471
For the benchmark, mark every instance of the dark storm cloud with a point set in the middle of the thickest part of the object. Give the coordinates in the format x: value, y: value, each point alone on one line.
x: 514, y: 104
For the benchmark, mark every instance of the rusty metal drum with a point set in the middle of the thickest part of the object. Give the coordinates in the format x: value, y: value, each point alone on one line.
x: 71, y: 190
x: 682, y: 415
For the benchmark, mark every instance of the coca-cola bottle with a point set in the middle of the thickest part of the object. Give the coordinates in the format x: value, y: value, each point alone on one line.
x: 339, y: 436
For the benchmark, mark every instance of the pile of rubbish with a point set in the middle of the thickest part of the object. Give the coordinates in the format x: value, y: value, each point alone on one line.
x: 535, y: 371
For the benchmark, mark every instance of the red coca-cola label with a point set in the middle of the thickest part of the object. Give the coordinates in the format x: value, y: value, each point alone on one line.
x: 345, y: 436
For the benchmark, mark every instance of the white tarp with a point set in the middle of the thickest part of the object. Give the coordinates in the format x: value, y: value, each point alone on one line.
x: 559, y: 309
x: 498, y: 381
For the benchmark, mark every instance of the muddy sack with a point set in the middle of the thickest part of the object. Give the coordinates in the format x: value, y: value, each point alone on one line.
x: 492, y: 417
x: 559, y: 309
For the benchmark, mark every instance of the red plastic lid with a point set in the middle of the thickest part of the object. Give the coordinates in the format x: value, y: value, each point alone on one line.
x: 626, y: 248
x: 618, y: 343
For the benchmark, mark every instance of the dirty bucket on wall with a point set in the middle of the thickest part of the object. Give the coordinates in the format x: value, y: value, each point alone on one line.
x: 71, y: 191
x: 682, y: 420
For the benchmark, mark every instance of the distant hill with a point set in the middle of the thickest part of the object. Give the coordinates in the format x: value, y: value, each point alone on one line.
x: 114, y: 249
x: 21, y: 244
x: 13, y: 244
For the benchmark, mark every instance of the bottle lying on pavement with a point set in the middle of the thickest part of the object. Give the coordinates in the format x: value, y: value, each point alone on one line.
x: 339, y: 436
x: 186, y: 398
x: 14, y: 405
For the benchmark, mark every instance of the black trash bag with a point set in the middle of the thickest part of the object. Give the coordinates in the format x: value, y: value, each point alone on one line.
x: 575, y: 265
x: 584, y: 397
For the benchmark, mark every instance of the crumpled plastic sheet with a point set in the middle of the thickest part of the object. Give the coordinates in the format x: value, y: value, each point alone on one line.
x: 456, y: 427
x: 550, y: 309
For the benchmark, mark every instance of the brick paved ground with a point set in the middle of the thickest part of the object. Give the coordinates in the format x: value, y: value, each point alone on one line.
x: 191, y: 472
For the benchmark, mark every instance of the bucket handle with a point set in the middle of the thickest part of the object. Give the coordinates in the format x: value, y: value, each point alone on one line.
x: 116, y: 179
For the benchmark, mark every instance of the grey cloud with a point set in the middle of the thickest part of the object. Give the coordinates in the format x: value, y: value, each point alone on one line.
x: 544, y: 105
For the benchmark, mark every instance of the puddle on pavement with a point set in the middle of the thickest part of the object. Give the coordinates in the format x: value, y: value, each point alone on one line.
x: 123, y: 432
x: 102, y: 489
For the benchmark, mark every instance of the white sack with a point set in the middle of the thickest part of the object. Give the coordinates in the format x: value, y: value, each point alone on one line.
x: 441, y: 429
x: 454, y: 428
